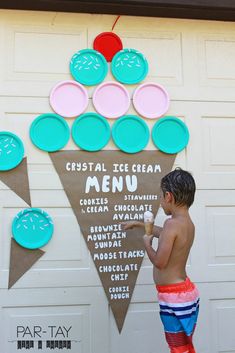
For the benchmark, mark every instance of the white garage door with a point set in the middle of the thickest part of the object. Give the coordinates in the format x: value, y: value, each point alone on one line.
x: 62, y: 293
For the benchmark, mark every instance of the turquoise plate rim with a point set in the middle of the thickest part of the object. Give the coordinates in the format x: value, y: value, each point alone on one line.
x: 85, y: 146
x: 43, y: 146
x: 84, y: 82
x: 161, y: 146
x: 21, y: 151
x: 129, y: 82
x: 142, y: 145
x: 25, y: 244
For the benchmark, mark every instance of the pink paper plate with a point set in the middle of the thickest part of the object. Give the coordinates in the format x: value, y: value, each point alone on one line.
x: 151, y: 100
x: 111, y: 99
x: 69, y: 99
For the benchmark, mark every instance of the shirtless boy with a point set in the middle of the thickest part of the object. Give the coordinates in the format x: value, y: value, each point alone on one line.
x: 178, y: 296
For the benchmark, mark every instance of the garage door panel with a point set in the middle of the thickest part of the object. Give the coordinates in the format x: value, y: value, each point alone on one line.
x: 208, y: 65
x: 219, y: 143
x: 142, y: 325
x: 28, y: 324
x: 54, y: 316
x: 213, y: 214
x: 35, y: 54
x: 210, y: 150
x: 223, y: 312
x: 220, y: 308
x: 221, y: 225
x: 157, y: 47
x: 217, y: 52
x: 43, y: 177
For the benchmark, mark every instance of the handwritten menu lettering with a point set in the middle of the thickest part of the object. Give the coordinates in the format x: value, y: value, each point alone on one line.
x: 104, y: 189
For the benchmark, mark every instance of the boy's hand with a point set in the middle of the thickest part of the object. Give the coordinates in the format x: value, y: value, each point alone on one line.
x: 148, y: 239
x: 129, y: 225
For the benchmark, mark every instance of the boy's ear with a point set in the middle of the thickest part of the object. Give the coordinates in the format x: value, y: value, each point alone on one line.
x: 169, y: 197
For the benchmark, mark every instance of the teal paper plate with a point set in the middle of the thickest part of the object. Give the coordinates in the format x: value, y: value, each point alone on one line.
x: 32, y: 228
x: 11, y: 150
x: 170, y: 135
x: 130, y: 133
x: 129, y: 66
x: 49, y: 132
x: 88, y: 67
x: 91, y: 132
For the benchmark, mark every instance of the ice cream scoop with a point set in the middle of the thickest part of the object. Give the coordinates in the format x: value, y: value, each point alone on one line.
x: 148, y: 222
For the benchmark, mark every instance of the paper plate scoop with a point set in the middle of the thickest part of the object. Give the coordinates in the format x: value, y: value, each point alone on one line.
x: 148, y: 222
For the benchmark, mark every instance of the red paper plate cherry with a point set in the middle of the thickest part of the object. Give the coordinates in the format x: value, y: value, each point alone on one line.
x: 108, y: 44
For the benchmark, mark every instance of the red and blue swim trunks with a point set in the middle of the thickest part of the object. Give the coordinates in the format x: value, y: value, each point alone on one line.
x: 179, y: 307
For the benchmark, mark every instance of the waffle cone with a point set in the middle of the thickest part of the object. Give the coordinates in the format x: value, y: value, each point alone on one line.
x: 148, y: 228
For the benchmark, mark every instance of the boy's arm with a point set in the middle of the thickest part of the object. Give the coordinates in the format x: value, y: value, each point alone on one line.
x: 161, y: 257
x: 130, y: 225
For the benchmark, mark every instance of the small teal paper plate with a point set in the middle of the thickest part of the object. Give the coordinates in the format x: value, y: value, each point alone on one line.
x: 129, y: 66
x: 130, y: 133
x: 91, y: 132
x: 170, y: 135
x: 11, y: 150
x: 32, y: 228
x: 88, y: 67
x: 49, y: 132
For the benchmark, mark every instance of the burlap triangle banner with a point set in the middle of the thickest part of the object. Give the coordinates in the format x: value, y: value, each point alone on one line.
x: 21, y: 260
x: 18, y: 181
x: 104, y: 189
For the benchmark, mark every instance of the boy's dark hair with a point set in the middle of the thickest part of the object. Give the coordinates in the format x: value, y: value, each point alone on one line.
x: 181, y: 184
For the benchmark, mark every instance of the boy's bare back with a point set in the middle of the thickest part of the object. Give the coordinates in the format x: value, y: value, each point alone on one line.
x: 177, y: 235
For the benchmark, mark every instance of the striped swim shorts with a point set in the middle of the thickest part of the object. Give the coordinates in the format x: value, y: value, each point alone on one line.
x: 179, y: 307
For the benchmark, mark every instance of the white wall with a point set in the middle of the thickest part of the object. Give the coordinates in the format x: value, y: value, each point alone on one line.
x: 194, y: 60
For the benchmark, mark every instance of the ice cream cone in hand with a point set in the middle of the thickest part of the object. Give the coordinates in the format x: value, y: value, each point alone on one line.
x: 148, y: 222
